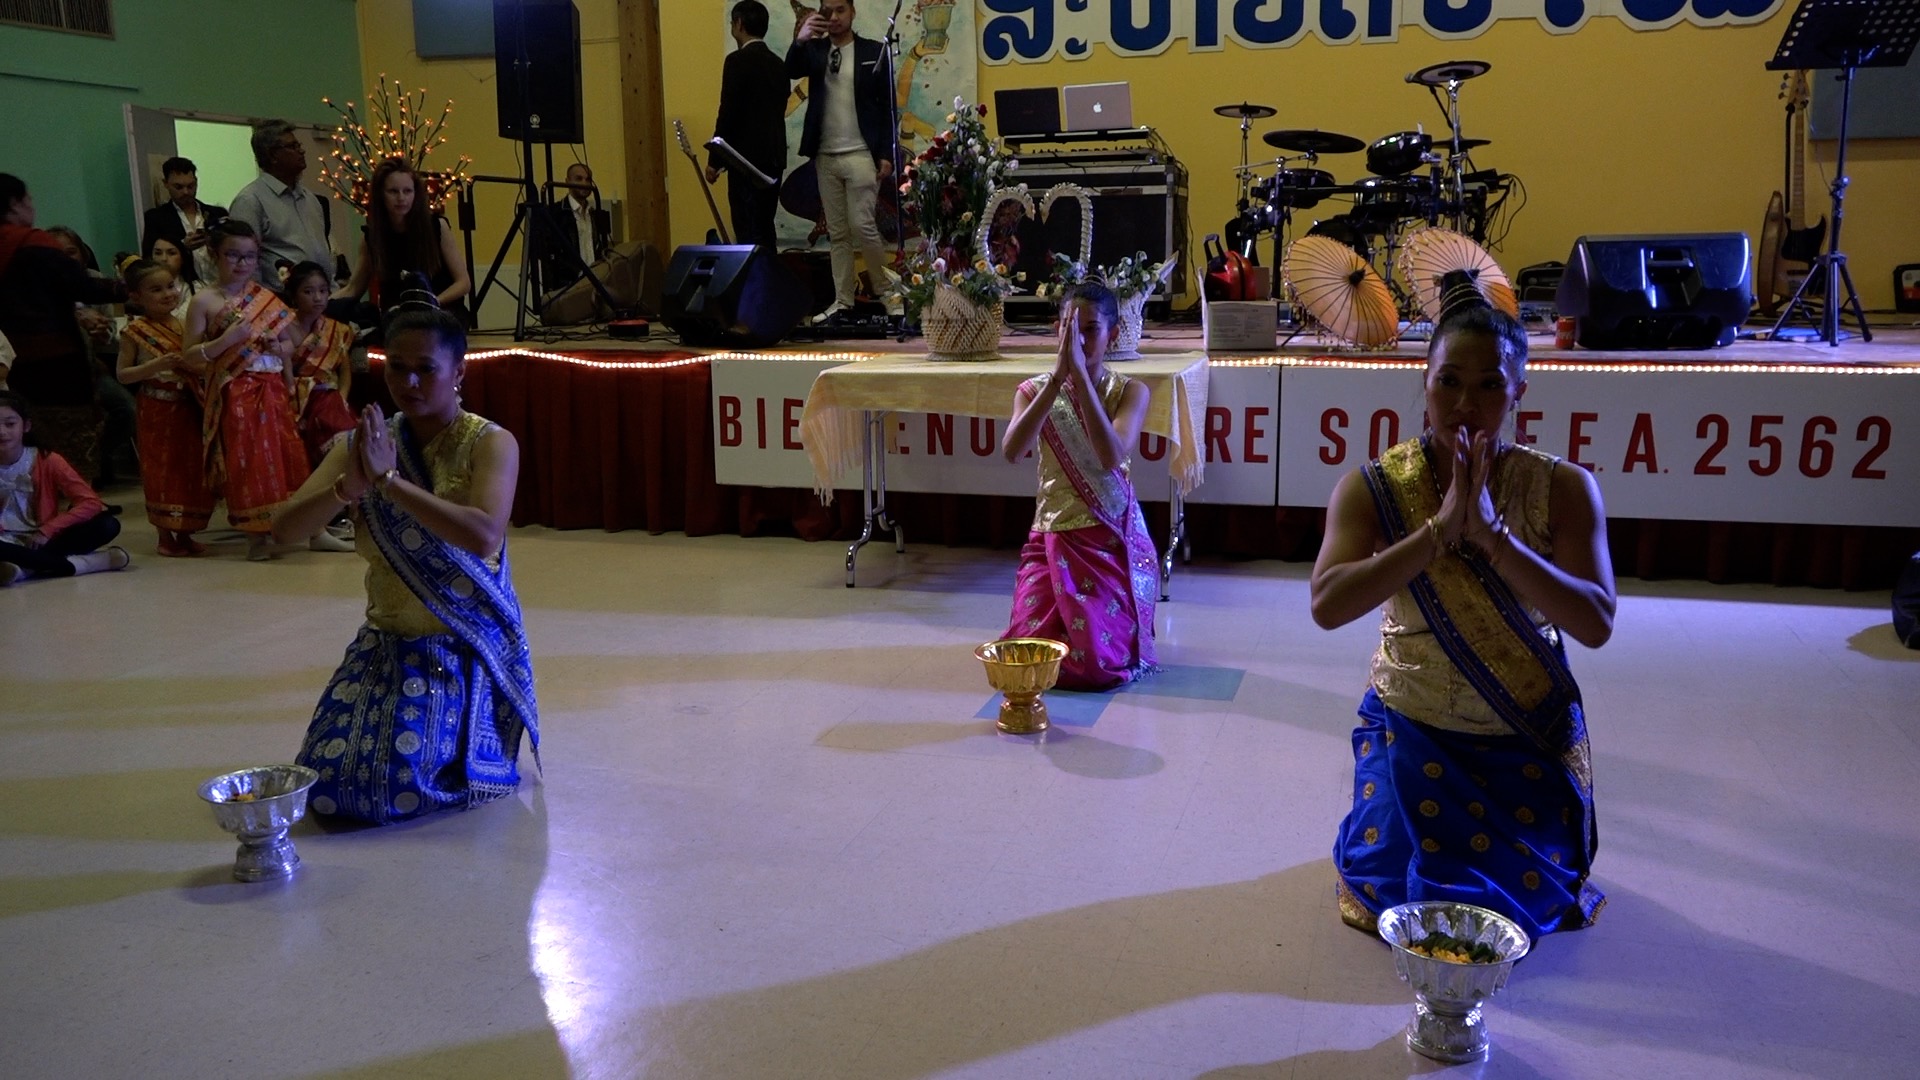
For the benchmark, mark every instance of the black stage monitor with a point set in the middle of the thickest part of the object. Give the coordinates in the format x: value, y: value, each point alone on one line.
x: 1667, y: 291
x: 1028, y: 112
x: 730, y: 294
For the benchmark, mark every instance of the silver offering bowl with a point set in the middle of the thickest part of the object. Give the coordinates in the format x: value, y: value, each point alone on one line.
x: 259, y: 806
x: 1447, y: 1025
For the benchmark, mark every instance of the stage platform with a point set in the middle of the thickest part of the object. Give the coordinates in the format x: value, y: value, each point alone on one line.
x: 1893, y: 344
x: 1784, y: 463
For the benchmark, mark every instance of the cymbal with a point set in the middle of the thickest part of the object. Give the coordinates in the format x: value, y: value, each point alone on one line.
x: 1451, y: 71
x: 1465, y: 144
x: 1312, y: 142
x: 1246, y: 111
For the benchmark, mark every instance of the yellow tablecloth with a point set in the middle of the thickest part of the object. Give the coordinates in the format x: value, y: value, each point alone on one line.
x: 831, y: 426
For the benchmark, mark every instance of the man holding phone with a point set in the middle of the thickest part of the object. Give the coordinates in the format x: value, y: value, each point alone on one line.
x: 184, y: 219
x: 849, y: 83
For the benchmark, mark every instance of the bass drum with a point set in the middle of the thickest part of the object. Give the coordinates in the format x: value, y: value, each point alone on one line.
x: 1344, y: 229
x: 1398, y: 154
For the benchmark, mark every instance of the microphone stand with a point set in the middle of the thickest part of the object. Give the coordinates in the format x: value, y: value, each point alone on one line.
x: 889, y: 54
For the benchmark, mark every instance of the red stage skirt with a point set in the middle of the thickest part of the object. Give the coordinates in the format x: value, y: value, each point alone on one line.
x: 265, y: 461
x: 327, y: 415
x: 173, y: 464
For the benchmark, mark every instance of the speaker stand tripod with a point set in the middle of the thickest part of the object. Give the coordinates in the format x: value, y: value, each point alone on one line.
x: 1845, y: 35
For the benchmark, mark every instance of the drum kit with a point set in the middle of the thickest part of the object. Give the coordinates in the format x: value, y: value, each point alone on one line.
x: 1415, y: 180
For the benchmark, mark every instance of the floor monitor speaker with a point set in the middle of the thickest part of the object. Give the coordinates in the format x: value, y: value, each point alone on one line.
x: 730, y: 294
x: 1666, y: 291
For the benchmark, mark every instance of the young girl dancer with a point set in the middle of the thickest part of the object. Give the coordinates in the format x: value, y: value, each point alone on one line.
x: 322, y: 369
x: 173, y: 465
x: 1088, y: 575
x: 253, y: 451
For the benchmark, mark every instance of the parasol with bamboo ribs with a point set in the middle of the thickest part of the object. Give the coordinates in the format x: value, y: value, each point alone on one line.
x: 1341, y: 293
x: 1431, y: 255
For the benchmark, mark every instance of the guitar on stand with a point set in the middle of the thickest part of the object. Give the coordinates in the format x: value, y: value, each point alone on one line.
x: 719, y: 226
x: 1788, y: 246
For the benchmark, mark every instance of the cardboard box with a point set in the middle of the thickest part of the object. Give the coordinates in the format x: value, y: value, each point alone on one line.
x: 1240, y: 325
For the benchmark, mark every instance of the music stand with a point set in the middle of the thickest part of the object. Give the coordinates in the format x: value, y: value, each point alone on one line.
x: 1842, y: 35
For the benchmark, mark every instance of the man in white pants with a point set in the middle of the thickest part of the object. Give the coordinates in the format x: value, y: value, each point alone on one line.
x: 847, y: 135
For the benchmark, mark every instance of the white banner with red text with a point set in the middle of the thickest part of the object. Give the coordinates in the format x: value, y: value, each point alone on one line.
x: 757, y: 441
x: 1663, y: 441
x: 1830, y: 447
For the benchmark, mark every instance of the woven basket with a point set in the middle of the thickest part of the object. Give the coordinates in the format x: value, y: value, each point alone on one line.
x: 956, y: 328
x: 1133, y: 317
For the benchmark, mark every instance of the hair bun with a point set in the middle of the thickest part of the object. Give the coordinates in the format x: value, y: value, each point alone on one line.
x: 416, y: 293
x: 1460, y: 291
x: 126, y: 262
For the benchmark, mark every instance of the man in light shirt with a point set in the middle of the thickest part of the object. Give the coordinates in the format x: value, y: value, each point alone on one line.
x: 582, y: 230
x: 847, y: 135
x: 291, y: 222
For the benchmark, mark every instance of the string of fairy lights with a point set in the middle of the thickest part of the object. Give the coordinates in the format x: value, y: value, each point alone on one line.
x: 396, y: 125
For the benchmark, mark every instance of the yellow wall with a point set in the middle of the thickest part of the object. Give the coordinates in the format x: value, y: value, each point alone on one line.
x: 1612, y: 130
x: 386, y: 45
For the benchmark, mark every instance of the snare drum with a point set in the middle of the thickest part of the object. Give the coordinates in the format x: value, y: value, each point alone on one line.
x: 1300, y: 189
x: 1379, y: 202
x: 1398, y: 154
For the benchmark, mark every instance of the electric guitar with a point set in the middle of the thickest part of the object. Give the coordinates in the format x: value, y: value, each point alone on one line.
x: 1787, y: 246
x: 680, y: 133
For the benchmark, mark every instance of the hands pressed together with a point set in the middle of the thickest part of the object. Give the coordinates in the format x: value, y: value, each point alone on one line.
x: 1467, y: 514
x: 371, y: 456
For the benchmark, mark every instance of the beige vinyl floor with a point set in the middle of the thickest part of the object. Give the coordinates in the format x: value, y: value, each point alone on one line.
x: 774, y: 839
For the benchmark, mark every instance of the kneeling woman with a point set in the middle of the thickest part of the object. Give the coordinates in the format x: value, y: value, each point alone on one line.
x: 426, y: 711
x: 1472, y: 780
x: 1088, y: 574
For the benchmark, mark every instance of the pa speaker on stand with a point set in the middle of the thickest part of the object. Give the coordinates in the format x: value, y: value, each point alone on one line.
x: 536, y: 58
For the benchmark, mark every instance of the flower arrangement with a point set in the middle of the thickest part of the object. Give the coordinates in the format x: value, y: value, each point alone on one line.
x: 954, y: 191
x: 1131, y: 276
x: 396, y: 125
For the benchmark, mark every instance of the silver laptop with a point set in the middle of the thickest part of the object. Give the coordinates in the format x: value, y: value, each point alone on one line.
x: 1098, y: 106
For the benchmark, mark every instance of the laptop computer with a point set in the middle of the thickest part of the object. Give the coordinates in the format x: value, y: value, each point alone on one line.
x: 1099, y: 106
x: 1028, y: 112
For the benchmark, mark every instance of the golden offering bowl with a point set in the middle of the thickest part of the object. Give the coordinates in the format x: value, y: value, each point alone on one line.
x: 1022, y: 669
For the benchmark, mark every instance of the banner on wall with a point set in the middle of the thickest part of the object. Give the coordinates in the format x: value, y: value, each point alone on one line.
x: 1690, y: 445
x: 937, y: 63
x: 1035, y: 31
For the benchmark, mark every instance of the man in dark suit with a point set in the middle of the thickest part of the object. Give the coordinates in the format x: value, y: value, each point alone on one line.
x: 848, y: 136
x: 753, y: 120
x: 580, y: 231
x: 184, y: 219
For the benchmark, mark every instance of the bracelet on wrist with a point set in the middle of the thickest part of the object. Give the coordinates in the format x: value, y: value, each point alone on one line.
x: 384, y: 480
x: 1436, y: 535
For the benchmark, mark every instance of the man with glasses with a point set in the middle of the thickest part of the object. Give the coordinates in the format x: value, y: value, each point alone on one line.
x: 291, y: 222
x: 847, y: 136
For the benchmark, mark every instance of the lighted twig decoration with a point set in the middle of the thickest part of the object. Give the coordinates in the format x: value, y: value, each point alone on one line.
x: 396, y: 125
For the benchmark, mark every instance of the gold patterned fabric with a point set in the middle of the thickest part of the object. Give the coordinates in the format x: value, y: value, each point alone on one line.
x: 391, y: 606
x: 1410, y: 670
x: 1058, y: 508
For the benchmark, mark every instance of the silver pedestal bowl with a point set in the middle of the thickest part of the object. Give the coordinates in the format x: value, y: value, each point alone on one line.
x: 1447, y: 1025
x: 259, y: 805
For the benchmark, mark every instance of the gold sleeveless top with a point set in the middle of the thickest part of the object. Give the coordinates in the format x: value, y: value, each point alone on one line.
x: 1411, y: 673
x: 391, y: 606
x: 1058, y: 507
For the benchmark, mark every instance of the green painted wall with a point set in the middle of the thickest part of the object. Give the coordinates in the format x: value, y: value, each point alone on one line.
x: 61, y: 95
